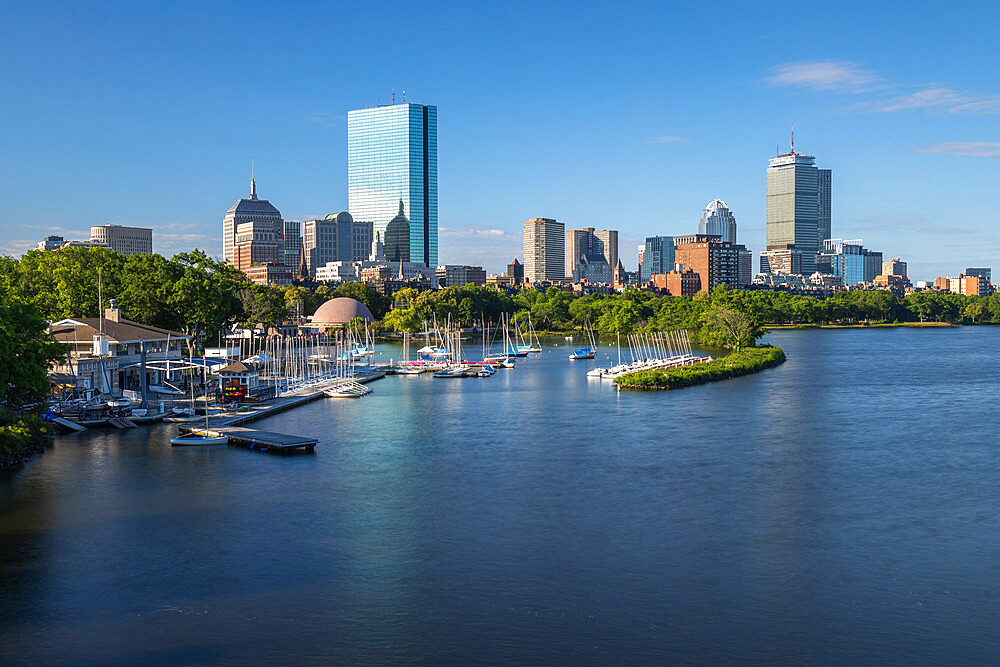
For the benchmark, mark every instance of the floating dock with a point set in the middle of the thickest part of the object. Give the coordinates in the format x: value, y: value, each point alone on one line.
x: 232, y: 423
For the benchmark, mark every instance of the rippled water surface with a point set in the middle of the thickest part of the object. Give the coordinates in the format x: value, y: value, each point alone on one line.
x: 842, y: 507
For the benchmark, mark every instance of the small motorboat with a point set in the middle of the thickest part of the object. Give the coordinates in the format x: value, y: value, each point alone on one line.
x: 584, y: 353
x: 120, y: 402
x: 408, y: 371
x: 191, y: 439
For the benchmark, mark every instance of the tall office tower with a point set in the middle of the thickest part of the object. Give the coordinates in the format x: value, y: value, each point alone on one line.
x: 397, y: 238
x: 587, y: 255
x: 250, y: 209
x: 657, y: 257
x: 823, y: 215
x: 293, y: 244
x: 797, y: 214
x: 544, y: 250
x: 392, y: 155
x: 718, y: 220
x: 609, y: 238
x: 124, y: 240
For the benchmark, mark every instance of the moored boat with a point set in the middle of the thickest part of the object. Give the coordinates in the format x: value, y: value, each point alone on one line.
x: 191, y: 439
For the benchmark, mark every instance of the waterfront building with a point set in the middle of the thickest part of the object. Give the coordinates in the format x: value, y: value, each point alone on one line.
x: 544, y: 250
x: 397, y: 237
x: 798, y: 206
x: 116, y: 366
x: 894, y: 267
x: 974, y: 285
x: 515, y: 271
x: 451, y: 275
x: 716, y: 262
x: 392, y: 156
x: 850, y: 260
x: 718, y: 220
x: 587, y: 254
x: 124, y: 240
x: 292, y: 235
x: 50, y: 243
x: 250, y: 209
x: 335, y: 238
x: 657, y: 256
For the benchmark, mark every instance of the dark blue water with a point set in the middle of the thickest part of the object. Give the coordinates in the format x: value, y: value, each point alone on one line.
x: 842, y: 507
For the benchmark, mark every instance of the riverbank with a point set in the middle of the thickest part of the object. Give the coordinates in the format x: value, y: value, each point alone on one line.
x: 746, y: 361
x: 21, y: 437
x: 864, y: 325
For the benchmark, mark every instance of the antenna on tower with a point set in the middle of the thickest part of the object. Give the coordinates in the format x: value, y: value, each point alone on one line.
x: 393, y: 95
x: 793, y: 138
x: 404, y: 96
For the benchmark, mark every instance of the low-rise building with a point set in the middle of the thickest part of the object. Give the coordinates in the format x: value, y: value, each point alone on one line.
x: 124, y: 240
x: 106, y: 354
x: 450, y: 275
x: 686, y: 282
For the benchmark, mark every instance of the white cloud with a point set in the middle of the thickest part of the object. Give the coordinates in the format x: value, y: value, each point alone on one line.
x: 849, y: 77
x: 664, y: 140
x: 825, y: 75
x: 492, y: 249
x: 962, y: 148
x: 16, y: 247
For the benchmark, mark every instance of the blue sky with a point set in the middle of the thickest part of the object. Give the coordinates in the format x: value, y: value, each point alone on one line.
x: 631, y: 116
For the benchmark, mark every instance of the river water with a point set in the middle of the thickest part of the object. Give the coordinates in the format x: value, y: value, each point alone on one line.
x: 844, y: 507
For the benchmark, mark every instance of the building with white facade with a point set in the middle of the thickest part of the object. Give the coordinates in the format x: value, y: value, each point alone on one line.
x: 544, y: 250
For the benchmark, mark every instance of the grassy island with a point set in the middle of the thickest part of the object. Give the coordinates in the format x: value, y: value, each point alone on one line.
x: 744, y: 362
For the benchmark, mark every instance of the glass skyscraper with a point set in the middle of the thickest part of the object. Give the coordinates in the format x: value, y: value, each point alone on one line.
x: 658, y: 257
x: 718, y: 220
x: 392, y: 157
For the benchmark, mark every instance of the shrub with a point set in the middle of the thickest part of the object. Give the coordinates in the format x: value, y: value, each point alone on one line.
x: 746, y: 361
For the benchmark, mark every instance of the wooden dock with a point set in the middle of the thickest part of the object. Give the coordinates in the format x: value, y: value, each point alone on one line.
x: 232, y: 423
x: 264, y: 441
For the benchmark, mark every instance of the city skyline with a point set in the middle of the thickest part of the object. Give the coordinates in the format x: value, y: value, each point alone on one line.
x: 929, y: 121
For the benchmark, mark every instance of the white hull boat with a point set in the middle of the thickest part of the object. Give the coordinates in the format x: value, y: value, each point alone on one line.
x: 194, y: 439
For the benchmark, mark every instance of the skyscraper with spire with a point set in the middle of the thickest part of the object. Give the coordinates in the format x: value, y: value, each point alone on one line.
x: 798, y: 207
x: 266, y: 217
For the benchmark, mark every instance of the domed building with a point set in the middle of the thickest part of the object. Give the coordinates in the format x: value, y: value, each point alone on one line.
x: 341, y: 310
x: 397, y: 238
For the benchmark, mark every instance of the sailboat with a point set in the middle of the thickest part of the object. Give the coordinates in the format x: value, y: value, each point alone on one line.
x: 204, y: 438
x: 591, y: 349
x: 183, y: 415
